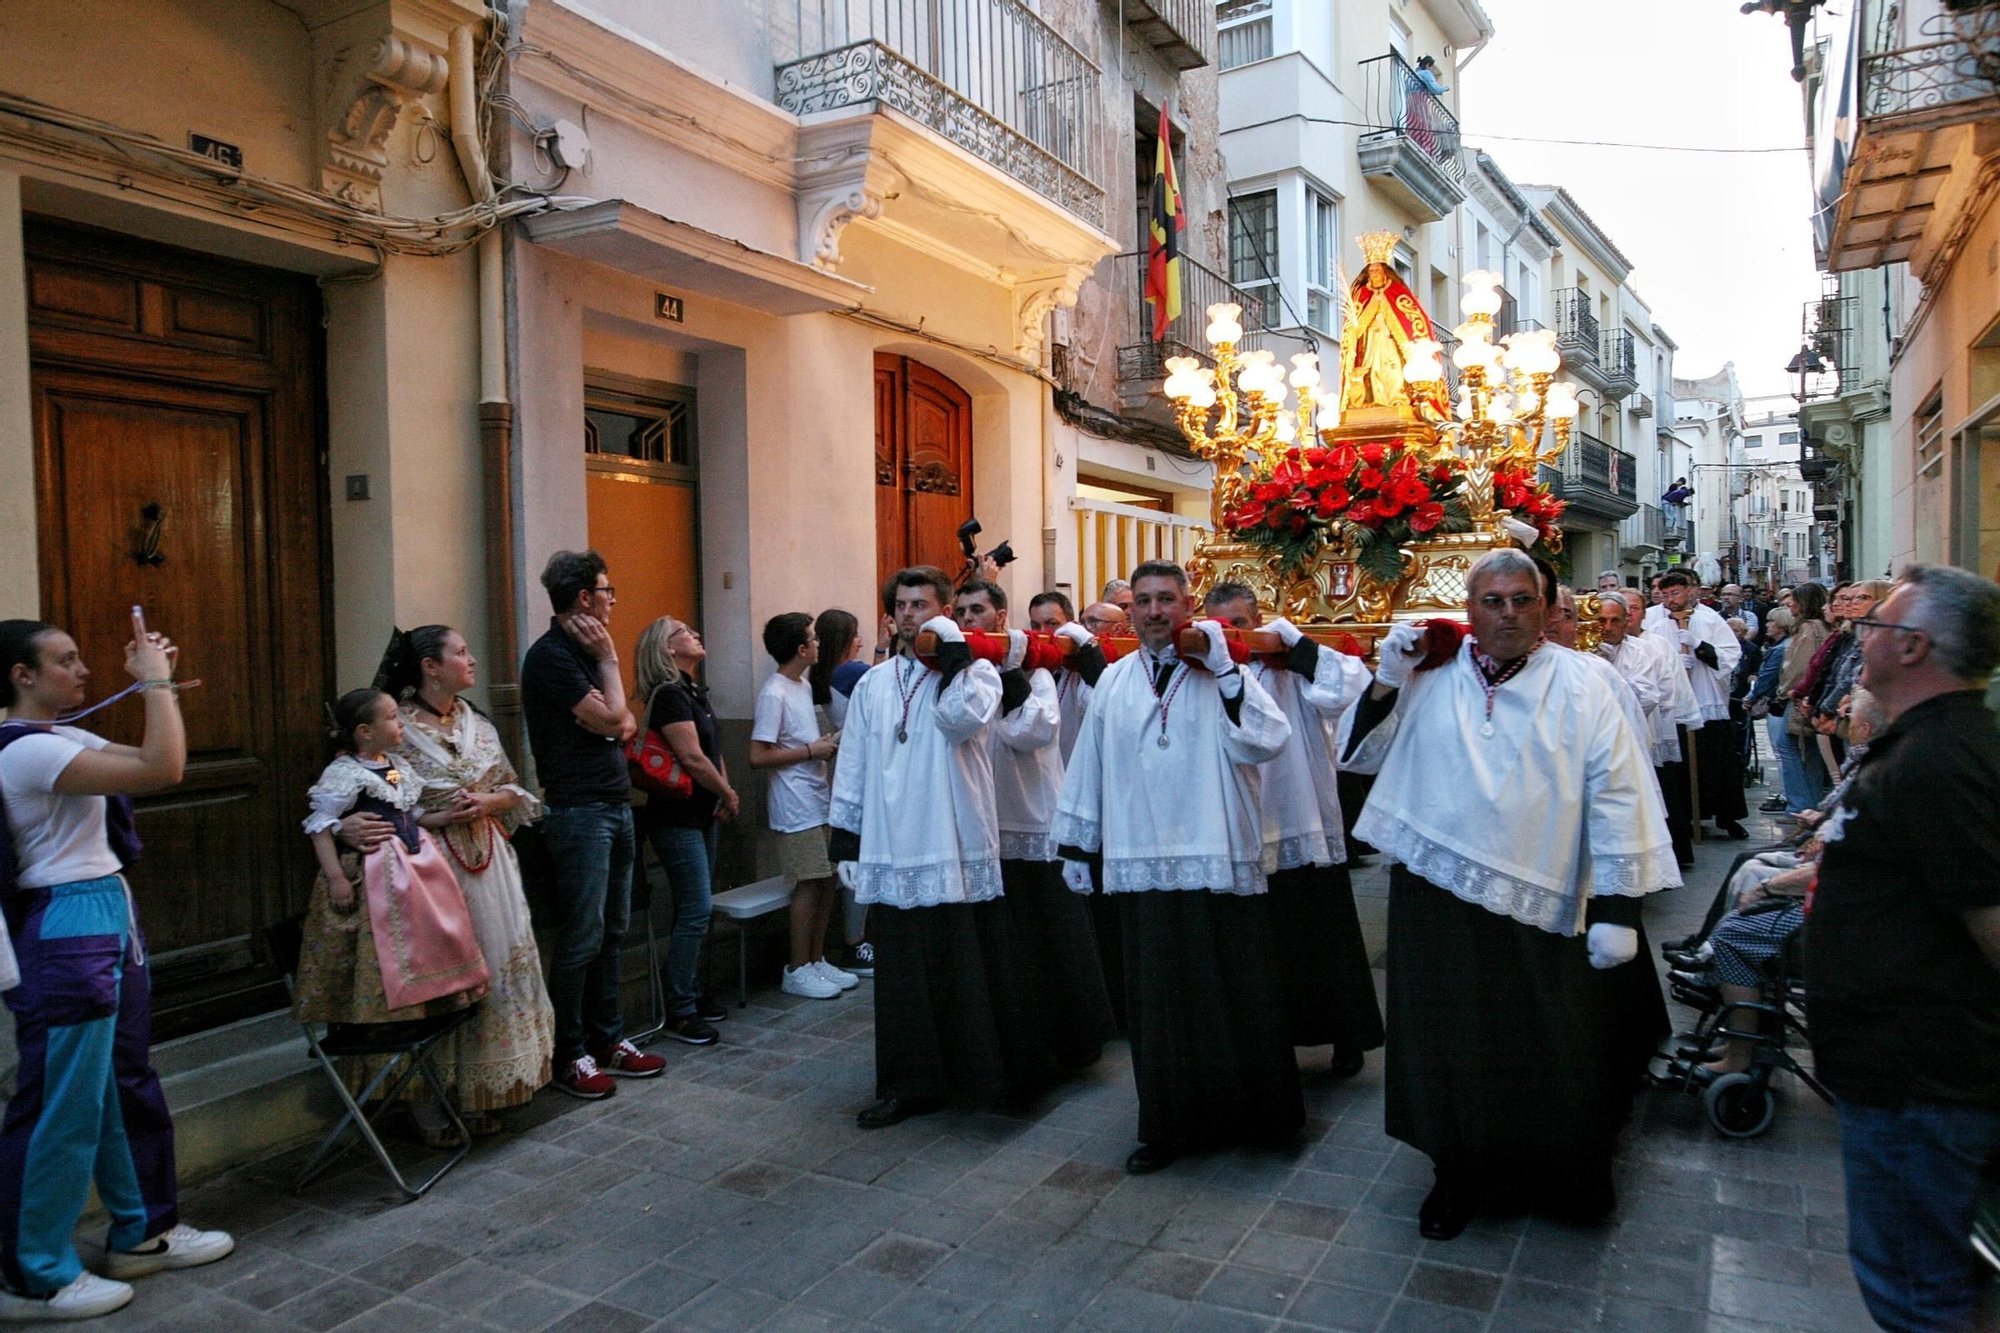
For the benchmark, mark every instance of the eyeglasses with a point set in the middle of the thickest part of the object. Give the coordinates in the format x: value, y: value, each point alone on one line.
x: 1493, y: 601
x: 606, y: 591
x: 1864, y: 625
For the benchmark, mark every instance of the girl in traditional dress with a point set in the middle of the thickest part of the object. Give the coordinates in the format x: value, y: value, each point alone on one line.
x: 452, y: 754
x: 387, y: 934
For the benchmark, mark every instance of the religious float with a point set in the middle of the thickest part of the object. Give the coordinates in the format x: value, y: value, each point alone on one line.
x: 1364, y: 496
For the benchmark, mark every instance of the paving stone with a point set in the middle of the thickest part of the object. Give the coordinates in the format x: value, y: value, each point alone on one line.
x: 655, y: 1290
x: 1421, y: 1317
x: 1463, y: 1288
x: 854, y: 1292
x: 922, y: 1310
x: 1178, y: 1276
x: 1249, y: 1289
x: 1279, y: 1253
x: 1312, y: 1221
x: 1330, y: 1305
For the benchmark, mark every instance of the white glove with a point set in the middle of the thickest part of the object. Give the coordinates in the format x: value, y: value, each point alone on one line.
x: 1398, y: 654
x: 1217, y: 658
x: 845, y: 870
x: 1285, y: 630
x: 1076, y: 876
x: 1611, y: 945
x: 1017, y: 650
x: 1689, y: 639
x: 1075, y: 633
x: 1524, y: 533
x: 945, y: 628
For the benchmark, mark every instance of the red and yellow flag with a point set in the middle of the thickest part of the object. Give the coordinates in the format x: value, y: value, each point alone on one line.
x: 1163, y: 242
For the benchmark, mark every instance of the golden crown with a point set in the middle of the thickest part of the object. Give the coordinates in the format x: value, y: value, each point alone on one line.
x: 1377, y: 247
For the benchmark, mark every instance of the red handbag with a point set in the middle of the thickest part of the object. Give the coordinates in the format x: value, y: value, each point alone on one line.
x: 655, y: 771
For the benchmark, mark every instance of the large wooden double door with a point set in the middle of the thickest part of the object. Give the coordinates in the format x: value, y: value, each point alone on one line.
x: 923, y: 467
x: 179, y: 467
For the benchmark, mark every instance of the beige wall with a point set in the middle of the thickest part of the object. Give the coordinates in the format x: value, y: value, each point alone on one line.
x: 1939, y: 354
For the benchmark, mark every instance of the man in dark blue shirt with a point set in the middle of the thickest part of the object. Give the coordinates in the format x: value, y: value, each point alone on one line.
x: 1903, y: 952
x: 573, y: 698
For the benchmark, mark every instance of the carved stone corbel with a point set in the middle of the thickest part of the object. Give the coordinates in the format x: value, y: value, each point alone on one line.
x: 1034, y: 299
x: 365, y: 99
x: 842, y: 177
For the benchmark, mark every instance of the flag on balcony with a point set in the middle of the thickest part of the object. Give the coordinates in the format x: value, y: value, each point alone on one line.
x: 1163, y: 242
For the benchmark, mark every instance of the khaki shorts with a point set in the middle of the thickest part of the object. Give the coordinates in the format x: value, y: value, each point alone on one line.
x: 802, y: 855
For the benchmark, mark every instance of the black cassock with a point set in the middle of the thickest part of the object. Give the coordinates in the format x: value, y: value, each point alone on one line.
x: 1056, y: 947
x: 1328, y: 986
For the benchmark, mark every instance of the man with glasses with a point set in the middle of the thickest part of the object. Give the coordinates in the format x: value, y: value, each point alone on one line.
x: 1521, y: 807
x: 1903, y: 951
x: 573, y: 698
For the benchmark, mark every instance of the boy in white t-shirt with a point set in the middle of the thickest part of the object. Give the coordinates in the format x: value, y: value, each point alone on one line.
x: 785, y: 738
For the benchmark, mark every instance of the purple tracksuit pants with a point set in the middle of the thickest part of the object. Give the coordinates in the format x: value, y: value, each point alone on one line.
x: 88, y: 1106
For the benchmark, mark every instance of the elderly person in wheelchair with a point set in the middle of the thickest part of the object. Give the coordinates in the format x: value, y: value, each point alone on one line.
x: 1768, y: 907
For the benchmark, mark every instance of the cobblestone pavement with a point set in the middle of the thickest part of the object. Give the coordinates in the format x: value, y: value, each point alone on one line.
x: 737, y: 1194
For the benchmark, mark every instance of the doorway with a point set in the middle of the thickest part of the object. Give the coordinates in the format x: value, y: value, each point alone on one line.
x: 923, y: 467
x: 180, y: 465
x: 642, y: 491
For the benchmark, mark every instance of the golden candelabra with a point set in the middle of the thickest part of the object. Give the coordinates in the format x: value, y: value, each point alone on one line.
x: 1389, y: 387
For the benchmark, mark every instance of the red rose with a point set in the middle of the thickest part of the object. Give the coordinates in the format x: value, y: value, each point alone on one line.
x: 1276, y: 520
x: 1370, y: 479
x: 1426, y: 517
x: 1373, y: 454
x: 1316, y: 457
x: 1298, y: 524
x: 1442, y: 472
x: 1269, y: 492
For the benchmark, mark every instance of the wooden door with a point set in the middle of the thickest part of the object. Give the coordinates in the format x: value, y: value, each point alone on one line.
x: 923, y: 467
x: 179, y: 467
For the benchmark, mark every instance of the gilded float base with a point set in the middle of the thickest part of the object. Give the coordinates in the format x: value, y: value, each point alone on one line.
x: 1333, y: 593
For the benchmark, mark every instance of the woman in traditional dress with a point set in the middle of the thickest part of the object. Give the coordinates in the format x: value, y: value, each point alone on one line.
x: 452, y: 753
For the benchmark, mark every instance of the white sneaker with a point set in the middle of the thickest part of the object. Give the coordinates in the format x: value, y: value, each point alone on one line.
x: 86, y: 1298
x: 181, y: 1247
x: 844, y: 980
x: 808, y: 982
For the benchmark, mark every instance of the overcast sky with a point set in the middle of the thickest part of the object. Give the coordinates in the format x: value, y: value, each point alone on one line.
x: 1719, y: 244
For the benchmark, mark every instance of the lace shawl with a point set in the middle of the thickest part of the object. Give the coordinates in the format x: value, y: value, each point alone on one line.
x: 345, y: 781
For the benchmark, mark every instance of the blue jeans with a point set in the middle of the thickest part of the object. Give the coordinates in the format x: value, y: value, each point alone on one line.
x: 1803, y: 775
x: 1912, y: 1176
x: 592, y: 847
x: 688, y: 857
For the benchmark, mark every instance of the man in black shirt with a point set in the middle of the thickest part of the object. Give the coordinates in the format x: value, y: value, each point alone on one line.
x: 1903, y: 952
x: 574, y: 700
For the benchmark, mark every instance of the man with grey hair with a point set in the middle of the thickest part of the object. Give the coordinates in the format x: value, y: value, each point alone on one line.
x: 1610, y: 581
x: 1903, y: 951
x: 1521, y: 863
x: 1118, y: 592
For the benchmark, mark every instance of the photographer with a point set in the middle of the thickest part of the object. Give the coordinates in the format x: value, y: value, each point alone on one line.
x: 88, y: 1108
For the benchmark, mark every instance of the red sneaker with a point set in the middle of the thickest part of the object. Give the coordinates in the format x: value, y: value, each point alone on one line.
x: 584, y: 1079
x: 627, y: 1061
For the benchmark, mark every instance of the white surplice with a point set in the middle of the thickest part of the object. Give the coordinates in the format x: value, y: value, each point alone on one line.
x: 923, y: 807
x: 1027, y: 771
x: 1558, y: 805
x: 1711, y: 683
x: 1627, y: 698
x: 1183, y: 816
x: 1073, y: 699
x: 1300, y: 784
x: 1659, y: 684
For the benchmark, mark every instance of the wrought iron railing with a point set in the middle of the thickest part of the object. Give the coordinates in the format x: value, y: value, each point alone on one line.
x: 1395, y: 103
x: 1576, y: 326
x: 1201, y: 287
x: 1829, y: 329
x: 1618, y: 356
x: 1647, y: 527
x: 1186, y: 24
x: 1590, y: 461
x: 1937, y: 80
x: 989, y: 75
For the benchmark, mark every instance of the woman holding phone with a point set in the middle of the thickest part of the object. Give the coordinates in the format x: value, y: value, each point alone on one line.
x: 88, y: 1108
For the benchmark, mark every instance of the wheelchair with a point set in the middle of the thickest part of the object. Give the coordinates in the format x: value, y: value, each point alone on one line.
x: 1742, y: 1105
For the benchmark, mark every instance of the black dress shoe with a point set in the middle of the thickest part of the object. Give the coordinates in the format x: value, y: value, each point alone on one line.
x: 710, y: 1010
x: 1346, y: 1064
x: 1736, y: 832
x: 1148, y: 1158
x: 1445, y: 1211
x: 894, y: 1110
x: 1773, y: 805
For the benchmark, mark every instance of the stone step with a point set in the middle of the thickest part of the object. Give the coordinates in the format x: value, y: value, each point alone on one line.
x: 242, y: 1092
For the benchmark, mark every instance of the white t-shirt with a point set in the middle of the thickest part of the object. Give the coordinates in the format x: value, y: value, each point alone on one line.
x: 57, y: 839
x: 784, y: 718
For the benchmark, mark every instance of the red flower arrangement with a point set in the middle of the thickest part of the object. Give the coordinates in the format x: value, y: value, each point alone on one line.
x: 1387, y: 492
x: 1515, y: 489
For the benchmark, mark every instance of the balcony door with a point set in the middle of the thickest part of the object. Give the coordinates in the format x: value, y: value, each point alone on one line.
x: 923, y: 466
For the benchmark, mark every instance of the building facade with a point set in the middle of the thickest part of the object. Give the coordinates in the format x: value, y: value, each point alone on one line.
x: 1901, y: 120
x: 1708, y: 421
x: 1780, y: 539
